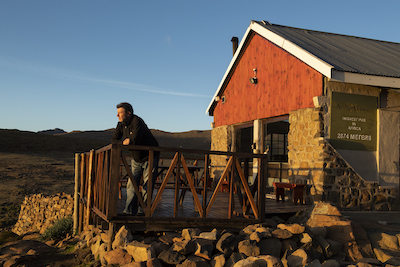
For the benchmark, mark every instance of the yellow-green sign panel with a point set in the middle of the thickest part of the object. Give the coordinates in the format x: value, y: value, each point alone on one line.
x: 353, y: 121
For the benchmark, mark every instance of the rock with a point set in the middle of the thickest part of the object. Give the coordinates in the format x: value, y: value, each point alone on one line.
x: 314, y: 251
x: 384, y: 240
x: 154, y: 263
x: 383, y: 256
x: 218, y: 260
x: 305, y: 238
x: 100, y: 252
x: 335, y: 246
x: 209, y: 235
x: 271, y: 223
x: 122, y: 237
x: 298, y: 258
x: 227, y: 243
x: 323, y: 208
x: 166, y: 239
x: 159, y: 247
x: 171, y: 257
x: 278, y: 220
x: 194, y: 262
x: 13, y: 261
x: 140, y: 251
x: 190, y: 233
x: 204, y: 248
x: 318, y: 231
x: 234, y: 258
x: 289, y: 244
x: 281, y: 234
x: 249, y: 229
x: 270, y: 246
x: 314, y: 263
x: 248, y: 248
x: 330, y: 263
x: 117, y: 256
x: 255, y: 236
x: 104, y: 237
x: 95, y: 247
x: 325, y: 245
x: 184, y: 247
x: 268, y: 261
x: 293, y: 228
x: 134, y: 264
x: 245, y: 263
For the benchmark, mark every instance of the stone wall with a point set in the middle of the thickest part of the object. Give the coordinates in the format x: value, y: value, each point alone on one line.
x: 39, y: 212
x: 221, y: 140
x: 306, y: 149
x: 330, y: 178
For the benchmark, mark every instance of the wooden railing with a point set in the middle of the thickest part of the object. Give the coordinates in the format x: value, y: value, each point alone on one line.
x: 98, y: 174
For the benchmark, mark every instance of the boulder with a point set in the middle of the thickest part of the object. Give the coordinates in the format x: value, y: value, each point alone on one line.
x: 218, y: 260
x: 248, y: 248
x: 171, y: 257
x: 298, y: 258
x: 227, y: 243
x: 209, y: 235
x: 330, y: 263
x: 190, y: 233
x: 117, y: 256
x: 204, y: 248
x: 122, y: 237
x: 270, y: 246
x: 140, y: 251
x: 268, y: 261
x: 245, y: 263
x: 281, y: 234
x: 184, y: 247
x: 294, y: 228
x: 234, y: 258
x: 154, y: 263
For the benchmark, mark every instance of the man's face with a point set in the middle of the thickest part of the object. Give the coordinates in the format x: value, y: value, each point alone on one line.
x: 122, y: 114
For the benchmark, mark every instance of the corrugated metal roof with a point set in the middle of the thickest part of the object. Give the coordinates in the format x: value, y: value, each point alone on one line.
x: 343, y: 52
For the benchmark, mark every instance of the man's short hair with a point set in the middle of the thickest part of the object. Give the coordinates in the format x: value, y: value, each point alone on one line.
x: 126, y: 106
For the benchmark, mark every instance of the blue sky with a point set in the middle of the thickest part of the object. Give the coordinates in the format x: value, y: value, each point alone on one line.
x: 66, y: 64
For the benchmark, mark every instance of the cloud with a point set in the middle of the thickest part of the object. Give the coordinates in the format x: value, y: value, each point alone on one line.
x: 77, y: 76
x: 168, y: 40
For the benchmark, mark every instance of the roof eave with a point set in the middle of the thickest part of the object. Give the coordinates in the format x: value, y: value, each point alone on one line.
x: 365, y: 79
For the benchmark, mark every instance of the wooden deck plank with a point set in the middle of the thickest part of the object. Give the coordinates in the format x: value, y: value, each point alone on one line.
x: 219, y: 210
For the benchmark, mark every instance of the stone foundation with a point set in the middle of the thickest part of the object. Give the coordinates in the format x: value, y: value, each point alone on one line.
x: 314, y: 161
x: 39, y: 212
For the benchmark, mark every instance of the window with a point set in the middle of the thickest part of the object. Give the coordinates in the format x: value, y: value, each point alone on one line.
x: 275, y: 140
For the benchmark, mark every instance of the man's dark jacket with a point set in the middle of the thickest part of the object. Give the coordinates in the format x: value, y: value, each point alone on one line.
x: 136, y: 130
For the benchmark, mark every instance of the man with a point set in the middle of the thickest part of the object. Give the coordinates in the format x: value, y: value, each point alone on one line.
x: 132, y: 130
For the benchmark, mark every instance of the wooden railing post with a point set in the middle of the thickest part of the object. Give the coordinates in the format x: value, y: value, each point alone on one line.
x: 76, y: 198
x: 147, y: 208
x: 112, y: 197
x: 90, y: 183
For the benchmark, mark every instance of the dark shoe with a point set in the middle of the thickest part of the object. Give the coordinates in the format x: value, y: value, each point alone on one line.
x: 140, y: 213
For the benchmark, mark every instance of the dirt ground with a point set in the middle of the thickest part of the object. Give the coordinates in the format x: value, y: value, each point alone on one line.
x: 25, y: 174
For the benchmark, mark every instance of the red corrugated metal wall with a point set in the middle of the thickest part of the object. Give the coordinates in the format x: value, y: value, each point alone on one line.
x: 284, y: 83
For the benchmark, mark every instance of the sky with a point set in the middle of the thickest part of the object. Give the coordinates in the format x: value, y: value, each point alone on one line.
x: 67, y: 64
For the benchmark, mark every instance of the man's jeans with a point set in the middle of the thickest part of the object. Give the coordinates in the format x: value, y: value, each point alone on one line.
x: 139, y: 169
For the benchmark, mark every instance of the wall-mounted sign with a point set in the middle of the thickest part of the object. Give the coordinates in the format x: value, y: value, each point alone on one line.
x: 353, y: 121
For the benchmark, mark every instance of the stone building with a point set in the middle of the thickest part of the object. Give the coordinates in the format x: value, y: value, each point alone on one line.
x: 324, y: 106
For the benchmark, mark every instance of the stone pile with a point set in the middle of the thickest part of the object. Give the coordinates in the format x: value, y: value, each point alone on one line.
x: 39, y: 212
x: 319, y: 237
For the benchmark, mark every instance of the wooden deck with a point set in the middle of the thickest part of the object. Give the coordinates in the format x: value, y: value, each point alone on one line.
x: 163, y: 219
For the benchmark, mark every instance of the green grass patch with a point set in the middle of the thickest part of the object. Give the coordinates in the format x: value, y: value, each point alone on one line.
x: 59, y: 230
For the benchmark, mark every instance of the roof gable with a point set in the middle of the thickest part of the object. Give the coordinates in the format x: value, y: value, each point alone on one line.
x: 338, y: 57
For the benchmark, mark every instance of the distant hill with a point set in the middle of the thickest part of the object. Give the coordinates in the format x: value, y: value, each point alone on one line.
x: 77, y: 141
